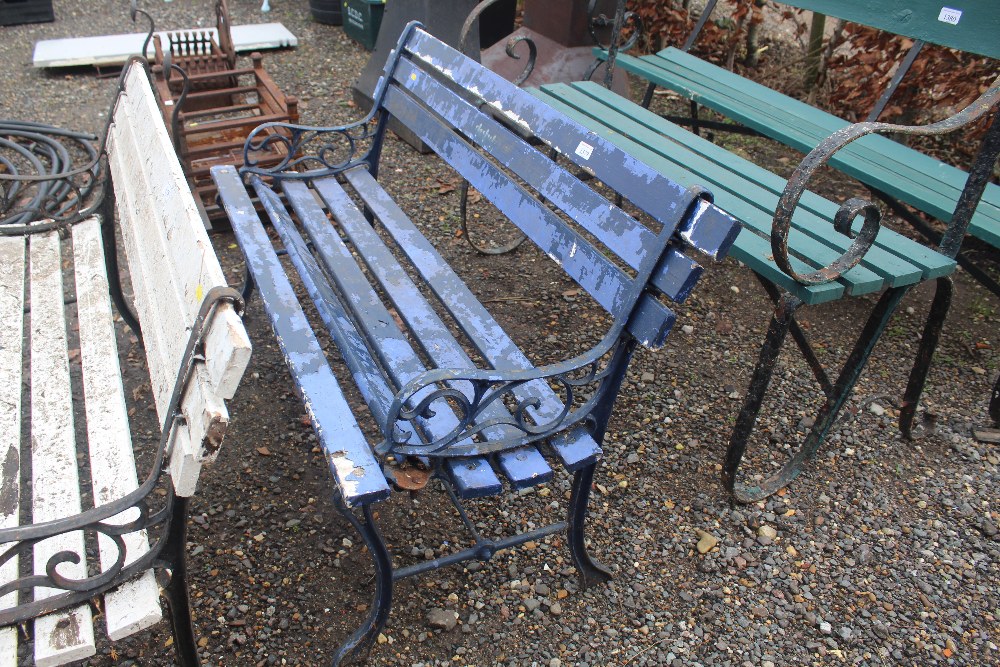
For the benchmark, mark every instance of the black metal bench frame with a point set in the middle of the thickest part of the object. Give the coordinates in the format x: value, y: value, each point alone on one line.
x: 439, y: 407
x: 838, y: 390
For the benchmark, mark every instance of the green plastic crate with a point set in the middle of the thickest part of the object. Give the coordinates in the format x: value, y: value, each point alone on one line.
x: 362, y: 19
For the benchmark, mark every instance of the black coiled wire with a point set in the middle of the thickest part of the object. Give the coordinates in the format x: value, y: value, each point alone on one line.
x: 47, y: 174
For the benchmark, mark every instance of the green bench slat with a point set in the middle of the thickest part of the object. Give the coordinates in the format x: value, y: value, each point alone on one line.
x: 751, y: 192
x: 901, y: 172
x: 897, y: 259
x: 749, y: 248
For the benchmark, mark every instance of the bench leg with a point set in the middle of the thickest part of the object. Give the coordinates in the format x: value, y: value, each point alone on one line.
x: 925, y: 353
x: 995, y: 404
x: 780, y: 323
x: 176, y: 592
x: 591, y: 572
x: 358, y: 644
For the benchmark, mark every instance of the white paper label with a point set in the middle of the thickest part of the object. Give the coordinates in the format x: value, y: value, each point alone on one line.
x: 949, y: 15
x: 584, y: 150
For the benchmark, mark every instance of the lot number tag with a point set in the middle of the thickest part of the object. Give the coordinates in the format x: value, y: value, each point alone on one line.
x: 949, y: 15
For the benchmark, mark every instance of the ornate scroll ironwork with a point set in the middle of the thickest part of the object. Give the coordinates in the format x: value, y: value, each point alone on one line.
x: 580, y: 384
x: 850, y: 209
x: 101, y: 520
x: 309, y: 152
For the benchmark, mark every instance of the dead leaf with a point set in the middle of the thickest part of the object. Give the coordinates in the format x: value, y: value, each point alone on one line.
x: 410, y: 477
x: 263, y: 451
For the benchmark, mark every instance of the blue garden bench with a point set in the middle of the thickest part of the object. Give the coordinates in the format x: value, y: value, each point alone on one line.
x: 444, y: 383
x: 804, y: 248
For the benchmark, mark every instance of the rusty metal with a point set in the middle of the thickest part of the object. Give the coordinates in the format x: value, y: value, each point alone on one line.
x: 796, y: 186
x: 210, y: 105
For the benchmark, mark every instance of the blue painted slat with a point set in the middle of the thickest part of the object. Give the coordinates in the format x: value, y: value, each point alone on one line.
x: 489, y: 338
x: 356, y: 471
x: 651, y: 191
x: 396, y: 357
x: 898, y: 259
x: 602, y: 279
x: 523, y: 468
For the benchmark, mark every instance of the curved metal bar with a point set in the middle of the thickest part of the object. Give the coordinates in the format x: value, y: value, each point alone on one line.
x: 175, y: 116
x: 328, y: 159
x: 529, y: 67
x: 134, y: 12
x: 821, y: 154
x: 417, y: 399
x: 596, y: 369
x: 463, y: 209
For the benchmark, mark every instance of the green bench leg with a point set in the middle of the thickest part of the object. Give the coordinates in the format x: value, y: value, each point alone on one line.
x: 781, y: 322
x: 925, y: 353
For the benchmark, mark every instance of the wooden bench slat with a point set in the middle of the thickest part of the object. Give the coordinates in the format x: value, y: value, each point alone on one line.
x: 750, y: 248
x: 69, y: 635
x: 12, y: 266
x: 898, y: 170
x: 161, y: 345
x: 112, y: 463
x: 357, y: 474
x: 643, y: 186
x: 594, y: 272
x: 897, y: 259
x: 175, y: 229
x: 893, y: 255
x: 476, y: 322
x: 432, y: 334
x: 370, y: 323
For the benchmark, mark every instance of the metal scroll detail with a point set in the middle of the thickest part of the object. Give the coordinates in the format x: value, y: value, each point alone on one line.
x: 463, y: 42
x: 621, y: 21
x: 309, y: 152
x: 110, y: 522
x: 501, y: 408
x: 853, y: 207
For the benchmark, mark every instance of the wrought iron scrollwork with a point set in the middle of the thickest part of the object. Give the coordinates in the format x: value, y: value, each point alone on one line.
x: 820, y: 155
x: 309, y: 152
x: 131, y: 513
x: 621, y: 21
x: 484, y: 400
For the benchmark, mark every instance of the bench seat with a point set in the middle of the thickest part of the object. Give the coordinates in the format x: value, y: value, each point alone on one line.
x: 101, y: 517
x: 750, y: 193
x: 445, y: 384
x: 888, y: 166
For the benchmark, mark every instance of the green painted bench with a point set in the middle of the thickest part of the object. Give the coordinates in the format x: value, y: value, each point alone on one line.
x: 896, y: 173
x: 797, y: 242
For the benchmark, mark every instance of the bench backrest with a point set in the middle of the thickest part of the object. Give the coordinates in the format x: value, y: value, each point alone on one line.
x: 440, y: 95
x: 172, y: 267
x: 966, y: 25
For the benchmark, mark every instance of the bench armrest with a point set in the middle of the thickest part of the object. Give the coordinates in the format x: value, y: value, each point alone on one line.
x: 309, y: 151
x: 579, y: 386
x: 851, y: 208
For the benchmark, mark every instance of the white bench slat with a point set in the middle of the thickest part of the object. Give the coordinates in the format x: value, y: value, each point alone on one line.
x: 173, y: 228
x: 136, y: 605
x: 11, y: 335
x: 65, y: 636
x: 151, y: 306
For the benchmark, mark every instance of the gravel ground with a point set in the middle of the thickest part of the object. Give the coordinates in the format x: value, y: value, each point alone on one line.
x: 883, y: 553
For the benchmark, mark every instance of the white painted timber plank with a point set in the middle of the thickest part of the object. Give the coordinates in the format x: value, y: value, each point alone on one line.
x: 66, y: 636
x: 174, y: 237
x: 185, y: 463
x: 11, y: 351
x: 162, y: 371
x: 136, y: 605
x: 154, y: 305
x: 116, y: 49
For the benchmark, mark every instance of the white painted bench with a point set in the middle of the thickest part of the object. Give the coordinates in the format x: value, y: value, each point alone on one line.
x: 69, y: 474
